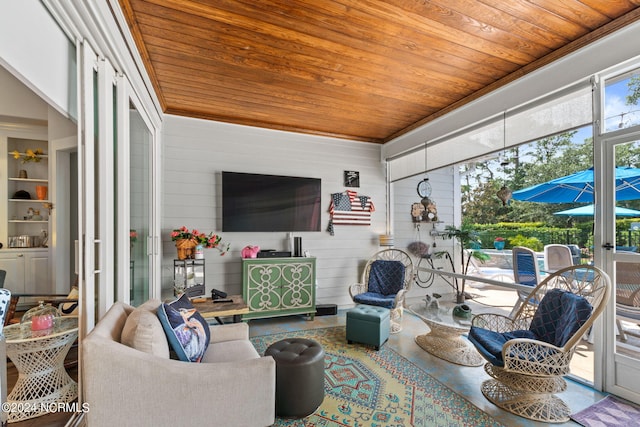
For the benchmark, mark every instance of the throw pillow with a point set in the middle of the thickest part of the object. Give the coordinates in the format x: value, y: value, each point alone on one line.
x: 70, y: 308
x: 187, y: 331
x: 559, y: 315
x: 143, y: 330
x: 386, y: 277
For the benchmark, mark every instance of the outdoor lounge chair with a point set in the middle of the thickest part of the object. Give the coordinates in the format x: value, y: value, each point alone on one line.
x: 525, y: 271
x: 627, y: 295
x: 489, y: 271
x: 557, y: 257
x: 386, y: 278
x: 528, y: 354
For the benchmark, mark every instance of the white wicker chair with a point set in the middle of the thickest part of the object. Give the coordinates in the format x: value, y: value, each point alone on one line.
x: 398, y: 303
x: 531, y: 371
x: 556, y: 257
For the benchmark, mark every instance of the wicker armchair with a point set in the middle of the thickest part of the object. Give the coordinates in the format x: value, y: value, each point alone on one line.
x: 529, y: 354
x: 394, y: 300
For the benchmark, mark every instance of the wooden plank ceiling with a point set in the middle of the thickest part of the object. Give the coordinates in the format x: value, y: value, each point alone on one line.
x: 365, y: 70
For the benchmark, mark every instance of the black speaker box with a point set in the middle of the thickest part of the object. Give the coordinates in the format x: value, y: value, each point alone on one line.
x: 274, y: 254
x: 326, y: 309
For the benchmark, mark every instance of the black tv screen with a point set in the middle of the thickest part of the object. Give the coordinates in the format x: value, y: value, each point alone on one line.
x: 255, y: 202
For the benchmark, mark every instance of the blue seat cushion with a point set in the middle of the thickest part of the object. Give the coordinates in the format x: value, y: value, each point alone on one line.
x: 490, y: 343
x: 386, y: 277
x: 374, y: 298
x: 559, y: 316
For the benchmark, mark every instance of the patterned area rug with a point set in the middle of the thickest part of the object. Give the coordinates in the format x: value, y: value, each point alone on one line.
x: 609, y: 411
x: 368, y: 388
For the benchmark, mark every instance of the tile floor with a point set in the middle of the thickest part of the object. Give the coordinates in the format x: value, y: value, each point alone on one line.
x: 463, y: 380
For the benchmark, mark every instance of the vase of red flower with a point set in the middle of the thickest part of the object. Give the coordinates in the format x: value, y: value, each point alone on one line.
x: 499, y: 243
x: 185, y: 248
x: 187, y: 241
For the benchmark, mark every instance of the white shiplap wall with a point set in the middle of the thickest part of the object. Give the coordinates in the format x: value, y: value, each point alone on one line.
x: 196, y: 151
x: 445, y: 191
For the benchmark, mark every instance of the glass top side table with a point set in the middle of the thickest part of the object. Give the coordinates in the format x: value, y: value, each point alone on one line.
x: 39, y: 359
x: 444, y: 338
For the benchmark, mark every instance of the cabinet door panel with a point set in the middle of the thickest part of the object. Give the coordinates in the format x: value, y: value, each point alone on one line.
x: 37, y: 271
x: 263, y: 287
x: 14, y: 266
x: 296, y: 285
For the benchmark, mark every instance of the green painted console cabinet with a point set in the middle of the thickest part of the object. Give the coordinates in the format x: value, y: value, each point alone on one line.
x: 279, y: 286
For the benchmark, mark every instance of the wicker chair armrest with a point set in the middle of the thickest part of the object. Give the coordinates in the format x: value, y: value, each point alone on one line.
x: 494, y: 322
x: 535, y: 358
x: 400, y: 297
x: 357, y: 289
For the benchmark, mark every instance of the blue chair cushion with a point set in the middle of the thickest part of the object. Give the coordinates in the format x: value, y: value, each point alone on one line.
x: 373, y: 298
x: 386, y: 277
x: 490, y: 343
x: 559, y: 316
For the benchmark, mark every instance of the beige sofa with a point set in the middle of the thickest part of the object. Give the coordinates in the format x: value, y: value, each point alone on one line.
x: 233, y: 386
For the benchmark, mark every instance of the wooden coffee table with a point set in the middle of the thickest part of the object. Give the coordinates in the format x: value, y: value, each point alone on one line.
x: 215, y: 310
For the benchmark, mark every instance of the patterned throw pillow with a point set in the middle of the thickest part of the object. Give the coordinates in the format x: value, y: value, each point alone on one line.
x: 70, y: 308
x: 187, y: 331
x: 386, y: 277
x: 559, y: 316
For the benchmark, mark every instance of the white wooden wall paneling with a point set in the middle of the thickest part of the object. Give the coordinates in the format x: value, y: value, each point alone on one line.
x: 196, y: 151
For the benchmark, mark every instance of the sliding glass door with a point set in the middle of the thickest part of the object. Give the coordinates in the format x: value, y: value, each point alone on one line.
x: 140, y: 196
x: 619, y: 154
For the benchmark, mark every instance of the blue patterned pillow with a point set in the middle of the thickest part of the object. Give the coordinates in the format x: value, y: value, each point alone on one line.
x: 559, y: 316
x: 386, y: 277
x: 187, y: 331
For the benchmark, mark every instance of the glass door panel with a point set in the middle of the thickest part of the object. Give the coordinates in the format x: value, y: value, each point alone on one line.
x: 140, y: 145
x: 617, y: 149
x: 625, y: 272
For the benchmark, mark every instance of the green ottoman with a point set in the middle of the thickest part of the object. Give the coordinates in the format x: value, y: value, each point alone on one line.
x: 368, y: 324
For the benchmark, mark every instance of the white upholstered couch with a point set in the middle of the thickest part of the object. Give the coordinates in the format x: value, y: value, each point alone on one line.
x: 233, y: 386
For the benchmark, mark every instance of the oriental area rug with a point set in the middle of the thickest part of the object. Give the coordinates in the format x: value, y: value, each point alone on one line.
x: 368, y: 388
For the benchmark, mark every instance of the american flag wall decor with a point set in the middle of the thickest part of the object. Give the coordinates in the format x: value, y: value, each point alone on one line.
x: 349, y: 208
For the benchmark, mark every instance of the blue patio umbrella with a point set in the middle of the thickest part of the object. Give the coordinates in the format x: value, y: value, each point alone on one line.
x: 587, y: 210
x: 578, y: 187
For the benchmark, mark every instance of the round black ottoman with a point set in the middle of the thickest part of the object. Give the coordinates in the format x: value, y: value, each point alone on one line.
x: 299, y: 376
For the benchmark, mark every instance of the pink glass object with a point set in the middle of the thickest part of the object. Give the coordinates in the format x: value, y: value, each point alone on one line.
x: 40, y: 319
x: 42, y: 322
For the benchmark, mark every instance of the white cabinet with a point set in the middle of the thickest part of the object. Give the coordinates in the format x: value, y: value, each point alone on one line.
x: 28, y: 203
x: 13, y: 264
x: 24, y: 219
x: 27, y: 271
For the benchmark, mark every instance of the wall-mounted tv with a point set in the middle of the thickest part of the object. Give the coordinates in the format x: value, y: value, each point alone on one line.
x: 255, y: 202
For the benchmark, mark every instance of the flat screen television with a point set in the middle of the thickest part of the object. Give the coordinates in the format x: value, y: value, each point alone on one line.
x: 256, y: 202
